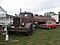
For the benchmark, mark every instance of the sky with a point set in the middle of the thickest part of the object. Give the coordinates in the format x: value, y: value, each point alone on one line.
x: 35, y: 6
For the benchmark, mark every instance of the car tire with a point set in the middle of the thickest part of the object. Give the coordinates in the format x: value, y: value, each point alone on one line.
x: 49, y: 27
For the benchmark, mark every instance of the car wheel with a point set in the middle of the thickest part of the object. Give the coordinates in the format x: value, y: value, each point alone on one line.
x: 49, y: 27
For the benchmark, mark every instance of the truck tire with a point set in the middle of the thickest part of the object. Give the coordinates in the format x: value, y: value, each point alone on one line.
x: 37, y: 26
x: 29, y: 32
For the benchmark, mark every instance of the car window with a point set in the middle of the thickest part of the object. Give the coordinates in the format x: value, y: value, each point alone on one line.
x: 49, y: 22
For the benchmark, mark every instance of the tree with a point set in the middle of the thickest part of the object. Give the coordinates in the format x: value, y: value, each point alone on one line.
x: 41, y: 15
x: 36, y: 14
x: 49, y: 14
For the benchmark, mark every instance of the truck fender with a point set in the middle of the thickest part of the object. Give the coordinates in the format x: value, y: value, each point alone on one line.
x: 27, y: 25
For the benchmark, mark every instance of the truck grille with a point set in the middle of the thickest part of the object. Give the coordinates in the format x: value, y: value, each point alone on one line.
x: 16, y: 22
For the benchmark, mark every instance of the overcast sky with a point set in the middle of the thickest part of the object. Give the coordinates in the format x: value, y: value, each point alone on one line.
x: 35, y: 6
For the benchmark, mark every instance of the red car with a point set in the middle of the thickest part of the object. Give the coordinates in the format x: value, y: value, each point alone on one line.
x: 49, y: 24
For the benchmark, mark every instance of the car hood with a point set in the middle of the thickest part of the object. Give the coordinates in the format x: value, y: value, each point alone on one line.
x: 48, y: 24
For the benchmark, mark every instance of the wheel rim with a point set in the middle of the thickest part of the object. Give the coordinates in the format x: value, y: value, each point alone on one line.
x: 49, y: 28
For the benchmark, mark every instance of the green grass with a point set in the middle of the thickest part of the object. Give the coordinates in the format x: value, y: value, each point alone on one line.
x: 39, y: 37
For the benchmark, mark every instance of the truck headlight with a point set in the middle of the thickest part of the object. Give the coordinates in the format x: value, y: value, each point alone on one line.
x: 36, y: 22
x: 25, y: 15
x: 22, y: 23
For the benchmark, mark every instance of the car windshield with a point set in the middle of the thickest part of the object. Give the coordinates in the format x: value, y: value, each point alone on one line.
x: 50, y: 22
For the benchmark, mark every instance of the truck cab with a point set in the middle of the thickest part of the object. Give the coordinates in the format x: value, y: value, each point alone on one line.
x: 22, y: 23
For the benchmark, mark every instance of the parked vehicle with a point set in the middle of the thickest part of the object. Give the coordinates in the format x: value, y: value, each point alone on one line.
x: 49, y: 24
x: 37, y: 19
x: 22, y: 23
x: 26, y: 22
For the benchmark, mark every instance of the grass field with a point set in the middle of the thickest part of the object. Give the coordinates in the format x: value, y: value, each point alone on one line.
x: 39, y: 37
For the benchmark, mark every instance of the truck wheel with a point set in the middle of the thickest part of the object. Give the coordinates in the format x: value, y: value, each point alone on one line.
x: 29, y: 32
x: 9, y: 32
x: 36, y: 26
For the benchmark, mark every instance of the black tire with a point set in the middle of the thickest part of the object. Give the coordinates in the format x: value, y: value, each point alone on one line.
x: 49, y: 28
x: 29, y: 32
x: 9, y: 32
